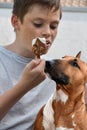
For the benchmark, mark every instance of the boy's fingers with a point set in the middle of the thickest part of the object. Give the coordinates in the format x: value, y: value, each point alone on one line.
x: 33, y: 63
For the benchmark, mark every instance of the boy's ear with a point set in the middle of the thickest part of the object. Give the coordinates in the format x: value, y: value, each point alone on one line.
x: 15, y: 22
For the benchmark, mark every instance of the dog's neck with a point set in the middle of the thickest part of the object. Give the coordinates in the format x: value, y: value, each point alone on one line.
x: 68, y: 101
x: 72, y: 94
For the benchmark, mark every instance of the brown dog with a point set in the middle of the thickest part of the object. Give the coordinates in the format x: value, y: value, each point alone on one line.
x: 65, y: 110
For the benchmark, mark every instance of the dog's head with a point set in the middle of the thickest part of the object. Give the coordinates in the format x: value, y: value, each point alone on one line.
x: 68, y: 71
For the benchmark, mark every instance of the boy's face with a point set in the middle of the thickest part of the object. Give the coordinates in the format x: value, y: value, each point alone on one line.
x: 38, y: 22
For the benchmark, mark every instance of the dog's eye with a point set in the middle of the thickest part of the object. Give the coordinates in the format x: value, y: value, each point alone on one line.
x: 74, y: 64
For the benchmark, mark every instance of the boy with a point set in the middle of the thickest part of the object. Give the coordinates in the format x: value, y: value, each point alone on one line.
x: 21, y: 98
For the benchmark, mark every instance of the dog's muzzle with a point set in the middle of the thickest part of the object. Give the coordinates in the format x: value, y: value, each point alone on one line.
x: 56, y: 73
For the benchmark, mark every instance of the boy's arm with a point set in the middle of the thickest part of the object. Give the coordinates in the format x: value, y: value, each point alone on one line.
x: 33, y: 74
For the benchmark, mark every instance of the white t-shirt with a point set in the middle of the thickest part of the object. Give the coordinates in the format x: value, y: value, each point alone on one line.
x: 23, y: 113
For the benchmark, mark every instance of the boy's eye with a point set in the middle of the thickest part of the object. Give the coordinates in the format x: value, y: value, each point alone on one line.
x: 53, y: 26
x: 38, y: 24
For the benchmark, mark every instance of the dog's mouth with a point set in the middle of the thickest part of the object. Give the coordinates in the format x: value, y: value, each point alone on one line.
x: 56, y: 73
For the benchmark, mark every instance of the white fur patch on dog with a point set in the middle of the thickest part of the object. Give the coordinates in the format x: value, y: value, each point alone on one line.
x: 48, y: 112
x: 73, y: 115
x: 48, y: 115
x: 63, y: 128
x: 62, y: 96
x: 73, y: 122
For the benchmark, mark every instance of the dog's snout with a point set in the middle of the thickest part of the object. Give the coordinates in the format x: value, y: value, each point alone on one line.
x: 51, y: 63
x: 48, y: 64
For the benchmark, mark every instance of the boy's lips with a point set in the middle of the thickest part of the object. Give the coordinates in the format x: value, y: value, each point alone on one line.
x: 48, y: 44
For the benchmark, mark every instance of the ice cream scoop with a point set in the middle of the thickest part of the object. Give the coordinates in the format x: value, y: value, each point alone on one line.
x: 39, y: 46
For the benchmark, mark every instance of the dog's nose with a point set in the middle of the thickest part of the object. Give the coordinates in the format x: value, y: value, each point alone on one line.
x: 48, y: 64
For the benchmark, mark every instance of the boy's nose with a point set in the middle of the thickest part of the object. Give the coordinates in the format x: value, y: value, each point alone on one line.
x: 46, y: 32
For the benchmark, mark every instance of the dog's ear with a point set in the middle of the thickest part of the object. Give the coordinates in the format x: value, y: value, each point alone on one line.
x: 78, y: 55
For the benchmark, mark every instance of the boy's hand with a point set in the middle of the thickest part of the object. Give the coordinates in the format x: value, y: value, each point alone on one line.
x: 33, y: 73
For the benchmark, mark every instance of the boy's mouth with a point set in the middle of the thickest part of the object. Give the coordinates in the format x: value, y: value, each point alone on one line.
x: 48, y: 44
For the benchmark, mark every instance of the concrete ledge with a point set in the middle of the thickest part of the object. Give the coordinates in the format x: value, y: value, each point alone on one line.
x: 65, y: 9
x: 75, y: 9
x: 6, y: 5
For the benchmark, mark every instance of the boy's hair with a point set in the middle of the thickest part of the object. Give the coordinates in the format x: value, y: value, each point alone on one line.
x: 21, y: 7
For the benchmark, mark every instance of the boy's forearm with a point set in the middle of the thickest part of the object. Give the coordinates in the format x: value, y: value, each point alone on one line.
x: 32, y: 75
x: 9, y: 98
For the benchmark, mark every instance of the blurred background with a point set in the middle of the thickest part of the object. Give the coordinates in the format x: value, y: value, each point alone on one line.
x: 72, y: 30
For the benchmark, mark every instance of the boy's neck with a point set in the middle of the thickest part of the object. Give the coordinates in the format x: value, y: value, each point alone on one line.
x: 19, y: 50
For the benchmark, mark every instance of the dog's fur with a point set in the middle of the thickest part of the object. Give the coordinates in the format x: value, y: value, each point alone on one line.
x: 65, y: 110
